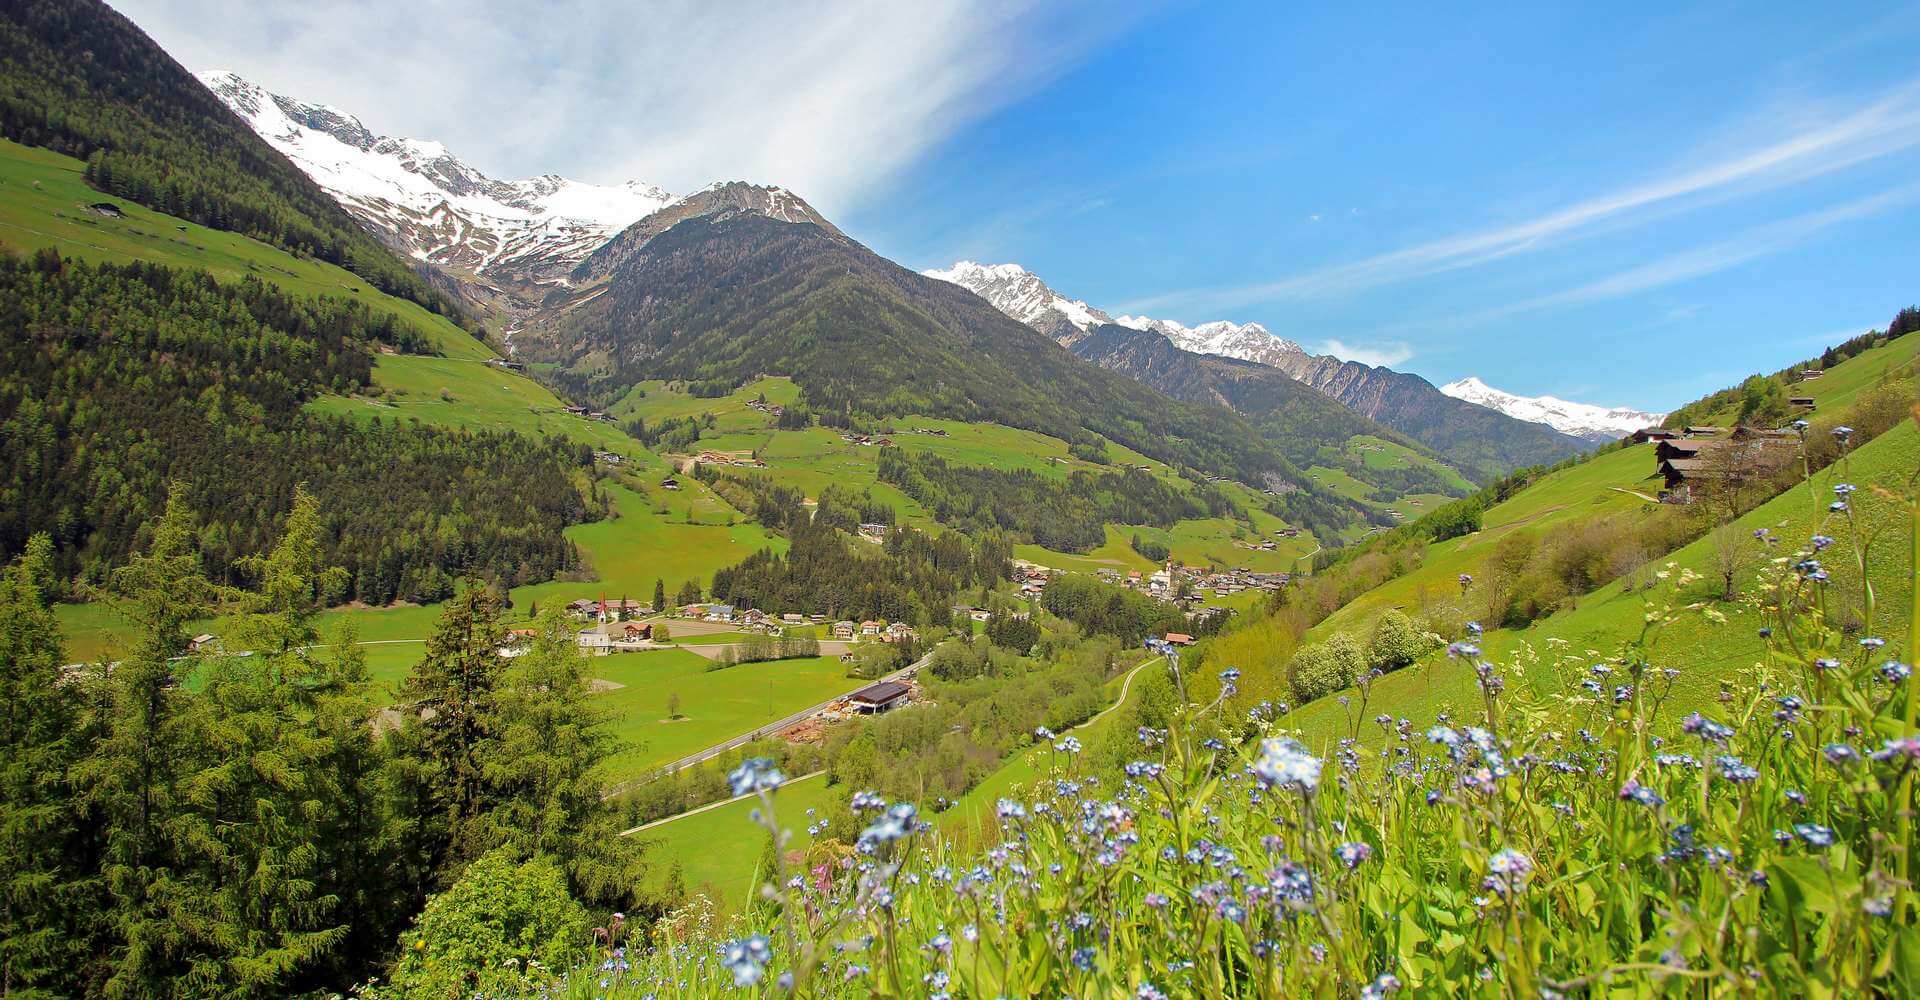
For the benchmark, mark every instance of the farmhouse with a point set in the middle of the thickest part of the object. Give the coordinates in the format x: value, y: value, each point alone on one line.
x: 844, y: 629
x: 1802, y: 402
x: 601, y: 639
x: 871, y: 627
x: 898, y: 632
x: 205, y: 642
x: 876, y: 698
x: 1179, y: 639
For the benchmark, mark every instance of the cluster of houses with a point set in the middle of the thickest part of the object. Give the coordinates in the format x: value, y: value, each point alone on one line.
x: 874, y: 532
x: 1692, y: 461
x: 774, y: 409
x: 1164, y: 584
x: 722, y: 458
x: 848, y: 631
x: 866, y: 440
x: 508, y: 366
x: 581, y: 411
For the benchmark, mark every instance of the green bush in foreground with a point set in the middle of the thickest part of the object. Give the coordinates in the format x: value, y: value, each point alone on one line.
x: 501, y: 928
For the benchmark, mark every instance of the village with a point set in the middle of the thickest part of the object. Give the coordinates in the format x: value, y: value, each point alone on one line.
x: 1696, y: 461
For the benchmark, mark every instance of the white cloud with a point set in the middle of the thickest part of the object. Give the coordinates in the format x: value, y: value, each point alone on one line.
x: 829, y: 99
x: 1886, y: 125
x: 1751, y: 244
x: 1386, y: 355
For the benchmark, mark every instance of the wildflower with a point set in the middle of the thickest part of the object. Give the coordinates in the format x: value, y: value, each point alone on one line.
x: 1840, y: 754
x: 941, y: 943
x: 1814, y: 834
x: 1284, y: 763
x: 1706, y: 728
x: 1735, y: 770
x: 1068, y: 745
x: 1820, y: 542
x: 1905, y: 746
x: 1354, y: 853
x: 1633, y: 791
x: 1443, y: 735
x: 867, y: 802
x: 1042, y: 733
x: 1473, y: 627
x: 1893, y: 671
x: 1143, y: 769
x: 896, y: 824
x: 1380, y: 987
x: 1510, y: 870
x: 1877, y: 906
x: 1872, y: 642
x: 747, y: 959
x: 1462, y: 649
x: 755, y: 775
x: 1009, y: 809
x: 1083, y: 959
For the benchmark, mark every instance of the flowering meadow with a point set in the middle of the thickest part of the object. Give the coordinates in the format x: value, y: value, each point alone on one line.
x: 1535, y: 847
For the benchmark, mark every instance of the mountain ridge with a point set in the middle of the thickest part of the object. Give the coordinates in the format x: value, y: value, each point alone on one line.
x: 1587, y: 421
x: 1478, y: 439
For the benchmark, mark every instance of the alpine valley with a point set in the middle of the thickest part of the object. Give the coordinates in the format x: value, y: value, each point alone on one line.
x: 416, y: 583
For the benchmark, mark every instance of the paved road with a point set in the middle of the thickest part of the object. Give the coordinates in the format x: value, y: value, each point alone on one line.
x: 766, y: 730
x: 696, y: 810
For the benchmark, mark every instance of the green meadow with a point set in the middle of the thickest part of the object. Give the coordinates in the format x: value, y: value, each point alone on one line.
x: 715, y: 705
x: 1703, y: 649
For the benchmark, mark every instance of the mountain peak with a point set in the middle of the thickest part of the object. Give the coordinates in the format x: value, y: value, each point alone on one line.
x: 1021, y: 294
x: 1582, y: 420
x: 423, y: 200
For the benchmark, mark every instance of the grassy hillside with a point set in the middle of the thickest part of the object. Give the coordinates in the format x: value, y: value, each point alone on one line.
x: 1705, y: 650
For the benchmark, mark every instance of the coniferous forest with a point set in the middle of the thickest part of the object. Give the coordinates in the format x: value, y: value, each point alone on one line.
x: 119, y: 379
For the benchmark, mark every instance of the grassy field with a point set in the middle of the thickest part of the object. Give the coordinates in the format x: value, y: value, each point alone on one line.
x: 717, y: 849
x: 45, y: 204
x: 1703, y: 650
x: 1604, y: 484
x: 716, y: 705
x: 1844, y: 382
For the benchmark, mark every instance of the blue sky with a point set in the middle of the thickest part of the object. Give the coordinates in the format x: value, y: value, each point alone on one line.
x: 1631, y: 204
x: 1623, y: 206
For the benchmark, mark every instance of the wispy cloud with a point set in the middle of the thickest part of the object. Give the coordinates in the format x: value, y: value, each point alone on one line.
x: 830, y: 99
x: 1385, y: 355
x: 1751, y: 244
x: 1884, y: 126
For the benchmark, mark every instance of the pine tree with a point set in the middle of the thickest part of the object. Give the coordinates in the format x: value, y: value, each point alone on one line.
x: 659, y: 595
x: 451, y: 692
x: 543, y: 760
x: 42, y: 899
x: 131, y: 778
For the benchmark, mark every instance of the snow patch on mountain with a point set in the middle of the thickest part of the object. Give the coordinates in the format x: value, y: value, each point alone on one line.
x: 1582, y: 420
x: 428, y: 203
x: 1021, y: 294
x: 1246, y: 341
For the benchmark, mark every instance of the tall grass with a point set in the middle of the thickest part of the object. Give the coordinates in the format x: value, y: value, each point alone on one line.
x: 1546, y: 846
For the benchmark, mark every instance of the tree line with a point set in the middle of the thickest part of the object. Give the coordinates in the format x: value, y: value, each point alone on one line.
x: 1066, y: 514
x: 120, y: 378
x: 83, y: 80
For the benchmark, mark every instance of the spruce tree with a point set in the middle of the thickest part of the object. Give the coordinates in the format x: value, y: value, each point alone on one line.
x: 132, y: 776
x: 450, y: 694
x: 544, y: 760
x: 44, y: 901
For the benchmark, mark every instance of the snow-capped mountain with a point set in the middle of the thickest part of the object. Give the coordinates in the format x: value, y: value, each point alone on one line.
x: 427, y: 203
x: 1582, y: 420
x: 1021, y: 294
x: 1246, y: 341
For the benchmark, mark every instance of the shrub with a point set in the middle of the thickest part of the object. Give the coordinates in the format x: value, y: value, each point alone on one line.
x: 1399, y: 640
x: 504, y: 928
x: 1323, y: 668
